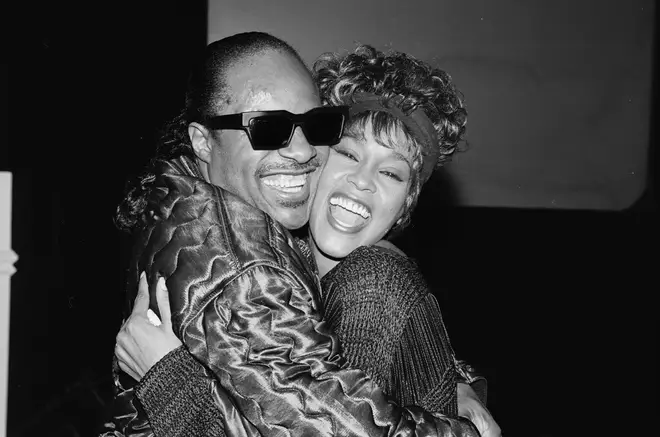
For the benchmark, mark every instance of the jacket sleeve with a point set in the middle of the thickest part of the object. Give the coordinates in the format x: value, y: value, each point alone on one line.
x: 266, y: 344
x: 178, y: 397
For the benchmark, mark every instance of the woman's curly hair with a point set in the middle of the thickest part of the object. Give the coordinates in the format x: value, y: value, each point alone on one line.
x: 392, y: 75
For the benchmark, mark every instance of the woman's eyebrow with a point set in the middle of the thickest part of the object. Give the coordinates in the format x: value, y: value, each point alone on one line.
x: 400, y: 157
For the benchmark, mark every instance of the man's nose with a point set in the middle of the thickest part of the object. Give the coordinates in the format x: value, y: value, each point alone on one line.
x: 363, y: 179
x: 298, y: 149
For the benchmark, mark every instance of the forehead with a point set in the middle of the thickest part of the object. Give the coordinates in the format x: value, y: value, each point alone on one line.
x: 271, y: 81
x: 391, y: 142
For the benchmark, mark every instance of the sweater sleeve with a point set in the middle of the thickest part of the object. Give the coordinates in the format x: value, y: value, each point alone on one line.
x: 423, y: 365
x: 176, y: 397
x: 391, y: 326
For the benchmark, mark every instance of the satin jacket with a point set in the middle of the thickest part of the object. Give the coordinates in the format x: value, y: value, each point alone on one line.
x: 247, y: 305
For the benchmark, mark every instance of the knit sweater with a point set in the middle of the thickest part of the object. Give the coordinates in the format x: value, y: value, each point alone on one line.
x: 389, y: 326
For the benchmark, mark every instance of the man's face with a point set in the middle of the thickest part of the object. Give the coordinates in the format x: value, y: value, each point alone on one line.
x: 280, y: 182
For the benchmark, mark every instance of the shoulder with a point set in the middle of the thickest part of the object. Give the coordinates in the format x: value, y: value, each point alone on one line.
x: 381, y: 260
x: 381, y: 271
x: 198, y: 231
x: 391, y: 246
x: 203, y: 213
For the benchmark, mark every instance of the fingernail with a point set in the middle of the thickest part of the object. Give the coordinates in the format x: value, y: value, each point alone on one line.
x: 153, y: 318
x: 161, y: 283
x: 143, y: 275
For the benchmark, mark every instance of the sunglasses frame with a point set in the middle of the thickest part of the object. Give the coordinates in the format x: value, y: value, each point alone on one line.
x: 242, y: 120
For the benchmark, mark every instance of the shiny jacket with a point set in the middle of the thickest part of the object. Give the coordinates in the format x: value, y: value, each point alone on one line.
x: 247, y: 306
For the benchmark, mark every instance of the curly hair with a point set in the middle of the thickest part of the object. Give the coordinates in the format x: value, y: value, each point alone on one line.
x: 391, y: 75
x: 206, y: 95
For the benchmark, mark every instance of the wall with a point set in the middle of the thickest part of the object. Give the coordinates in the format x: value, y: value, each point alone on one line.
x: 558, y: 92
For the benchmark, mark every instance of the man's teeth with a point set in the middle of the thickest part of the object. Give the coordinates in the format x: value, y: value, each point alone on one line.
x: 351, y: 206
x: 287, y: 183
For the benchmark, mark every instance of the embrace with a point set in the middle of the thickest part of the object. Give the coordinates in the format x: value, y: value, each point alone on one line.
x: 261, y: 234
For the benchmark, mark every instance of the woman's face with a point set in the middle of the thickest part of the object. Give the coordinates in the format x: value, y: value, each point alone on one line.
x: 361, y: 194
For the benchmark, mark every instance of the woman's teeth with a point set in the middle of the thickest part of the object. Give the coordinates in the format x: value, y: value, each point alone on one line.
x: 350, y: 205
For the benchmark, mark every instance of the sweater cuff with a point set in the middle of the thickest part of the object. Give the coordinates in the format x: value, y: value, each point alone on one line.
x: 176, y: 399
x: 174, y: 370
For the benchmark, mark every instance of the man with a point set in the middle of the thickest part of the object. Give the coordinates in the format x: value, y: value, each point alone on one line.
x: 238, y: 282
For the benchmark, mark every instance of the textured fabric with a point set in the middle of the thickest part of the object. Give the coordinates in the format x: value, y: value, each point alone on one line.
x: 169, y: 392
x: 390, y: 326
x: 246, y: 305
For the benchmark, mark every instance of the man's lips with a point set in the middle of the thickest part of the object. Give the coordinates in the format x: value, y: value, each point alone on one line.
x: 286, y: 183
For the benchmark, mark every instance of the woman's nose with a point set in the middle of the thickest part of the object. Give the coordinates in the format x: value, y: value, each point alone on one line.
x: 363, y: 179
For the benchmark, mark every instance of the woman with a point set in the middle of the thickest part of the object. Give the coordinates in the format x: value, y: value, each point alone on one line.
x: 406, y: 119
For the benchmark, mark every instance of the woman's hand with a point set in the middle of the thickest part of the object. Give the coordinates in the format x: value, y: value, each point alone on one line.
x: 143, y: 338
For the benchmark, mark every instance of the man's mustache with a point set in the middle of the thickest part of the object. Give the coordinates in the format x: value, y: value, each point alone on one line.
x: 292, y: 166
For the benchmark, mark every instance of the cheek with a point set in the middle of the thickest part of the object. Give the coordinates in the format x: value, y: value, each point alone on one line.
x: 242, y: 160
x: 322, y: 153
x: 331, y: 173
x: 394, y: 205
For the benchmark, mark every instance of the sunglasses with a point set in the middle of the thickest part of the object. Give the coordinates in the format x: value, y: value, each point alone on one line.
x: 272, y: 130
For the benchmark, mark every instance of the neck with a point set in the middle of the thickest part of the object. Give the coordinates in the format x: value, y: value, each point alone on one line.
x: 323, y: 262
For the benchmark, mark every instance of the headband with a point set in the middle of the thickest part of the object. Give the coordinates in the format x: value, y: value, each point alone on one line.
x: 417, y: 122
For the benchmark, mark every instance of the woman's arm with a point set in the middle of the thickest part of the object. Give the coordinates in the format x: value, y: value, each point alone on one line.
x: 471, y: 386
x: 176, y: 396
x: 423, y: 361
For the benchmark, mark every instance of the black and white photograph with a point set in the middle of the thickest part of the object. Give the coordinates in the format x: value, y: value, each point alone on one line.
x: 250, y: 218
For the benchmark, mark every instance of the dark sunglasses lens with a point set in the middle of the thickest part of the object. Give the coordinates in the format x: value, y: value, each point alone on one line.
x: 324, y: 128
x: 270, y: 132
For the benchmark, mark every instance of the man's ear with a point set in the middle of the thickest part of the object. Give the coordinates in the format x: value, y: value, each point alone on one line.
x: 200, y: 139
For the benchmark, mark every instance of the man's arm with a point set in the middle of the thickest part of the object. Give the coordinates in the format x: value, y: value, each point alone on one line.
x: 180, y: 397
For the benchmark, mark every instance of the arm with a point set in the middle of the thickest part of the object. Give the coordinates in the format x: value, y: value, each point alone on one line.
x: 174, y: 392
x: 471, y: 387
x: 423, y: 362
x: 176, y: 395
x: 421, y: 349
x: 256, y: 327
x: 270, y: 350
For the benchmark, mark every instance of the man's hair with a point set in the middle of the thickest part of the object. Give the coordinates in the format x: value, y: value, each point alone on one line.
x: 390, y: 75
x: 207, y: 94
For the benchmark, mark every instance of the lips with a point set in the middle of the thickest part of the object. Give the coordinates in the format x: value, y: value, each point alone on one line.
x: 347, y: 214
x: 286, y: 183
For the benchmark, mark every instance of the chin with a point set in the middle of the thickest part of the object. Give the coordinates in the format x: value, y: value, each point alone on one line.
x: 293, y: 219
x: 338, y: 248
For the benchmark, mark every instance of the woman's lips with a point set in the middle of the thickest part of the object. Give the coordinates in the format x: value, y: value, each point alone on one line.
x: 344, y: 220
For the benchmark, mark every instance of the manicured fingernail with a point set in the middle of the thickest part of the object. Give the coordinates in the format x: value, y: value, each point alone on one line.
x: 153, y: 318
x: 161, y: 283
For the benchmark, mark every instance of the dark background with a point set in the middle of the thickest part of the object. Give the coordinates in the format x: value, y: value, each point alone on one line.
x: 555, y: 306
